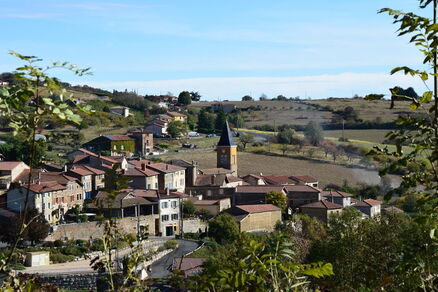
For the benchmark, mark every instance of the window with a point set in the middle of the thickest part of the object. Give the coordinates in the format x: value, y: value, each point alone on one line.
x: 164, y: 205
x: 173, y: 204
x: 122, y: 147
x: 164, y: 217
x: 156, y: 185
x: 48, y: 205
x: 44, y: 206
x: 174, y: 216
x: 149, y: 186
x: 115, y: 147
x: 181, y: 182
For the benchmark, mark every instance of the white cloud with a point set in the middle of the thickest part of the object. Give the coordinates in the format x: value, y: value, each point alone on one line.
x: 319, y: 86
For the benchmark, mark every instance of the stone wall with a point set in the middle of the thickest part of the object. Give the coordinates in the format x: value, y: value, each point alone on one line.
x: 72, y: 281
x: 93, y: 230
x: 193, y: 225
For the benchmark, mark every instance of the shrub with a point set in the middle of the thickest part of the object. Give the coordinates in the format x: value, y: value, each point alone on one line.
x: 131, y: 237
x: 97, y: 245
x: 60, y: 258
x: 58, y: 243
x: 170, y: 244
x: 71, y: 250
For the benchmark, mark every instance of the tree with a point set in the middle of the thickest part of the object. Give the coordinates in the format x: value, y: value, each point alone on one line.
x: 286, y: 136
x: 223, y: 228
x: 313, y: 133
x: 17, y: 148
x: 195, y: 96
x: 263, y: 97
x: 184, y: 98
x: 188, y: 207
x: 284, y: 148
x: 246, y: 139
x: 177, y: 128
x: 328, y: 147
x: 206, y: 122
x: 278, y: 199
x: 247, y: 98
x: 37, y: 228
x: 220, y: 121
x: 191, y: 122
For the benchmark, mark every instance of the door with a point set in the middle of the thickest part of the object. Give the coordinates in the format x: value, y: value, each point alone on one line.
x: 169, y: 230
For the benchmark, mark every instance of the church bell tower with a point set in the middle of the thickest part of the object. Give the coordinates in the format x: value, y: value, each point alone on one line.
x: 227, y: 150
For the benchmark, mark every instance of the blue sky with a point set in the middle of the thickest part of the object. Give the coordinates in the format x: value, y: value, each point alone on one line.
x: 224, y: 49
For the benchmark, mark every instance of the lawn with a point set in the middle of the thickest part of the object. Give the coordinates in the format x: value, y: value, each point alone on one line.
x: 255, y: 163
x: 374, y: 136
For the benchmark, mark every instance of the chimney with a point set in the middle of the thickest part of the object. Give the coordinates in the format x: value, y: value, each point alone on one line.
x: 167, y: 166
x: 143, y: 166
x: 213, y: 179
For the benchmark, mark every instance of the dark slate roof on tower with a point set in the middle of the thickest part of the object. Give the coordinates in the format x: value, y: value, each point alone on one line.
x: 226, y: 136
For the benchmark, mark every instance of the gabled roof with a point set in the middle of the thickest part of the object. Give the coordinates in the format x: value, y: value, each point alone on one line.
x: 337, y: 194
x: 45, y: 187
x: 164, y: 167
x: 252, y: 175
x: 278, y: 179
x: 262, y: 189
x: 368, y: 203
x: 226, y: 136
x: 137, y: 171
x: 304, y: 178
x: 9, y: 165
x: 322, y: 205
x: 205, y: 202
x: 301, y: 188
x: 259, y: 208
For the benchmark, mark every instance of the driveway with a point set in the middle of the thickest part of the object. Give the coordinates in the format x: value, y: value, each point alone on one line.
x: 162, y: 267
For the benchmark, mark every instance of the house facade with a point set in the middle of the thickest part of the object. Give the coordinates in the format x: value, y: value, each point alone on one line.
x: 114, y: 144
x: 256, y: 218
x: 321, y: 210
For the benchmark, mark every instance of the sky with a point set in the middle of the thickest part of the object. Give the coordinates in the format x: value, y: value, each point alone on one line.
x: 223, y: 49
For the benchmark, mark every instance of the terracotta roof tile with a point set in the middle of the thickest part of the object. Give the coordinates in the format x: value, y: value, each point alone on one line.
x: 9, y: 165
x: 262, y: 189
x: 338, y: 194
x: 301, y: 188
x: 278, y: 179
x: 259, y: 208
x: 304, y: 178
x: 322, y: 205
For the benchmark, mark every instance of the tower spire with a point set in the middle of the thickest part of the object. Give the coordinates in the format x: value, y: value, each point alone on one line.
x: 226, y: 136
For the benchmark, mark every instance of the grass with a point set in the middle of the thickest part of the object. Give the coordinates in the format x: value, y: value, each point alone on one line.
x: 255, y: 163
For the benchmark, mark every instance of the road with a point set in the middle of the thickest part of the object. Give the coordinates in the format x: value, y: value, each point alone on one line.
x: 83, y: 266
x: 161, y: 268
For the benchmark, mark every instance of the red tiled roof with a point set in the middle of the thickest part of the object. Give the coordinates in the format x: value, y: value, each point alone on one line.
x: 278, y: 179
x: 259, y: 189
x: 304, y: 178
x: 45, y: 187
x: 258, y: 208
x: 253, y: 175
x: 218, y: 170
x: 138, y: 163
x: 164, y: 167
x: 9, y: 165
x: 85, y: 151
x: 81, y: 171
x: 335, y: 194
x: 368, y: 203
x: 322, y: 205
x: 301, y: 188
x: 136, y: 171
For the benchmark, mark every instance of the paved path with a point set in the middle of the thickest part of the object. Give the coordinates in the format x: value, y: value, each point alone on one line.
x: 161, y: 268
x: 83, y: 266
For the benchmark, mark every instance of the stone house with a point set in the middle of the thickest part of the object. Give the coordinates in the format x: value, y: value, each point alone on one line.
x: 299, y: 195
x: 10, y: 171
x: 369, y: 207
x: 41, y: 197
x: 116, y: 145
x: 256, y: 218
x: 142, y: 177
x: 250, y: 195
x: 305, y: 180
x: 144, y: 141
x: 254, y: 180
x: 158, y: 127
x: 85, y: 176
x: 176, y: 116
x: 214, y: 207
x: 337, y: 197
x: 214, y: 186
x: 169, y: 176
x: 321, y: 210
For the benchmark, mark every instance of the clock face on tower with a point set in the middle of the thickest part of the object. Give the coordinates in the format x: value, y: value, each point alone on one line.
x: 223, y: 159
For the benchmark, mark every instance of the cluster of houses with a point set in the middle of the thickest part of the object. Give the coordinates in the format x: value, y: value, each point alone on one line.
x: 158, y: 126
x: 159, y: 189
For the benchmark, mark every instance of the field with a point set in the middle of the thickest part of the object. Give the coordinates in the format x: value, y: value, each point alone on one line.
x: 277, y: 112
x: 301, y: 112
x: 256, y: 164
x: 368, y: 110
x: 374, y: 136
